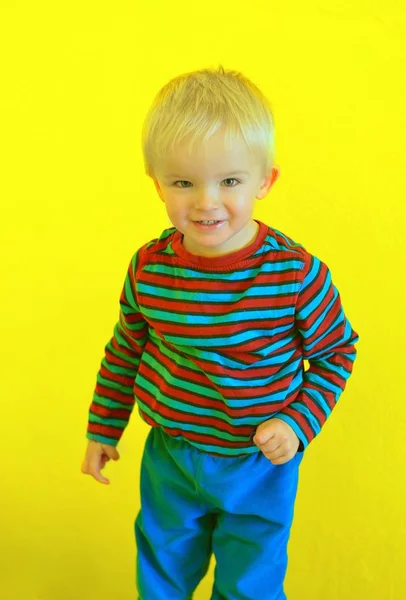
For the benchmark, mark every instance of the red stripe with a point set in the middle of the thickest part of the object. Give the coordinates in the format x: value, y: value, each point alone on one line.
x: 116, y: 360
x: 301, y: 421
x: 172, y: 261
x: 307, y: 323
x: 124, y: 350
x: 311, y: 291
x: 194, y: 330
x: 104, y: 430
x: 341, y: 359
x: 245, y: 358
x: 313, y: 407
x: 126, y: 380
x: 205, y: 438
x: 213, y: 308
x: 329, y: 340
x: 110, y: 413
x: 110, y: 394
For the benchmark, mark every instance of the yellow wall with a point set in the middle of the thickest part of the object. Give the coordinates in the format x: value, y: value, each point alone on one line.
x: 78, y: 78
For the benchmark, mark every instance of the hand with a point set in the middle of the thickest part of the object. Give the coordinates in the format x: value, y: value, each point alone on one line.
x: 277, y: 441
x: 97, y: 455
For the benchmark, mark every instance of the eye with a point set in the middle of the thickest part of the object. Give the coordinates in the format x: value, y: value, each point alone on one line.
x: 228, y: 179
x: 232, y: 179
x: 180, y: 181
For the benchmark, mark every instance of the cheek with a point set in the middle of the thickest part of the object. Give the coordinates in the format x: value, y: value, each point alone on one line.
x: 175, y: 209
x: 240, y: 205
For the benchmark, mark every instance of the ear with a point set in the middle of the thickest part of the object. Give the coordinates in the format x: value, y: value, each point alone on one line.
x: 268, y: 182
x: 275, y: 174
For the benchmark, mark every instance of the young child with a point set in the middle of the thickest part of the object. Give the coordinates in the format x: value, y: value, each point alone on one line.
x: 216, y: 317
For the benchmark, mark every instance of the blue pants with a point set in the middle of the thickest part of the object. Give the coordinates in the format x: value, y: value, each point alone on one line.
x: 194, y: 504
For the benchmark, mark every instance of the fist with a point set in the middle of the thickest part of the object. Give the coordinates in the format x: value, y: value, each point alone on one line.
x: 277, y: 441
x: 97, y: 455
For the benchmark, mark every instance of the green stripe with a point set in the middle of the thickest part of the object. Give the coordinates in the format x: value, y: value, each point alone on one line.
x: 165, y: 234
x: 128, y: 292
x: 198, y: 389
x: 126, y: 390
x: 102, y: 439
x: 123, y: 342
x: 117, y: 369
x: 119, y: 423
x: 108, y: 403
x: 176, y: 358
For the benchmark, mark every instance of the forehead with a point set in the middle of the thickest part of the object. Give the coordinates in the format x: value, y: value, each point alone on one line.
x: 212, y: 157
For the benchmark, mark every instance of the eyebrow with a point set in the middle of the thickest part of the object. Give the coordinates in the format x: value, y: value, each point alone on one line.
x: 219, y: 175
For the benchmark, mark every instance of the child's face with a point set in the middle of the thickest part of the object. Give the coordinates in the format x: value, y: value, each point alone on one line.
x: 210, y: 186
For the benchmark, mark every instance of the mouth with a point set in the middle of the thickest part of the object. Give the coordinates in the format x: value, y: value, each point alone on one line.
x: 211, y: 222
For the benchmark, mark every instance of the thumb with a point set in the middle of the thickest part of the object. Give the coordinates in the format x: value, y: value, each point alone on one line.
x: 111, y: 452
x: 94, y: 469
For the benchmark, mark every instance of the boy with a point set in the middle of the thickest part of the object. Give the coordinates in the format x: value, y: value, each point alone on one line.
x: 216, y: 318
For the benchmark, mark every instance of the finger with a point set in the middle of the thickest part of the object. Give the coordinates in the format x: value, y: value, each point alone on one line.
x: 94, y: 471
x: 104, y: 460
x: 281, y: 460
x: 280, y: 451
x: 262, y: 438
x: 112, y: 452
x: 272, y: 449
x: 99, y: 477
x: 274, y: 455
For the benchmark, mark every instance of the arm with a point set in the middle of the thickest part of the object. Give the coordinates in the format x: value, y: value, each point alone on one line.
x: 113, y: 398
x: 328, y: 345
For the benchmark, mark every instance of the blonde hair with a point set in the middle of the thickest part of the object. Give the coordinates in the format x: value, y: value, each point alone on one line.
x: 195, y: 105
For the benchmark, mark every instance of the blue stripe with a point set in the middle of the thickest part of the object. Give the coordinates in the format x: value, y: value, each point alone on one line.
x: 237, y: 316
x: 214, y: 296
x: 188, y: 273
x: 209, y: 341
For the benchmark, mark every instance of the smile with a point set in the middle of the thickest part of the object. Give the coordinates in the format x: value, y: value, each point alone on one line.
x: 212, y: 224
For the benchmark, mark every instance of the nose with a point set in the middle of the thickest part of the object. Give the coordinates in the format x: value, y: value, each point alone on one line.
x: 206, y: 201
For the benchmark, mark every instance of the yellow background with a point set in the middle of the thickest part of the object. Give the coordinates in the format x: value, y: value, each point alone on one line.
x: 78, y: 78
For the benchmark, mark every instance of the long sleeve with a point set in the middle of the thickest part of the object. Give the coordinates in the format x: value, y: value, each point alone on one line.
x: 113, y: 398
x: 328, y: 345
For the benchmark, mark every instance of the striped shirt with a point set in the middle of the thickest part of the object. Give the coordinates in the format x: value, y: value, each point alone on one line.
x: 210, y: 347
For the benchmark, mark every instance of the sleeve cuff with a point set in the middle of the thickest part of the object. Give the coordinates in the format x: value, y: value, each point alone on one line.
x: 303, y: 441
x: 94, y: 437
